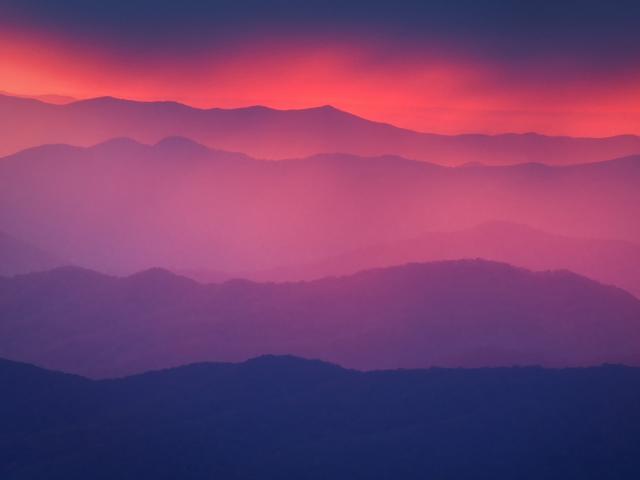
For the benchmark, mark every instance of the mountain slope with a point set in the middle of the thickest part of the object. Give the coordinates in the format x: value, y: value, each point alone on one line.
x: 284, y: 417
x: 608, y: 261
x: 45, y: 98
x: 267, y: 133
x: 122, y: 206
x: 19, y: 257
x: 461, y: 313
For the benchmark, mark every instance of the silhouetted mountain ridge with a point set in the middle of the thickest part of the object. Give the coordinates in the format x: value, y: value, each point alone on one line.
x: 264, y: 132
x: 17, y: 256
x: 608, y: 261
x: 450, y: 313
x: 180, y: 145
x: 281, y: 416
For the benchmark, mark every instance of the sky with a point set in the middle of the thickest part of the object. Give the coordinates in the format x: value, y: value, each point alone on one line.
x: 561, y: 67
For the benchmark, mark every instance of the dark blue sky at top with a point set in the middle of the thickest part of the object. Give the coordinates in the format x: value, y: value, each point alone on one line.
x: 604, y: 31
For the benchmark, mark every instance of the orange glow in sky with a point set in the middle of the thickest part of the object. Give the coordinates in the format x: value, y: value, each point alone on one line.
x: 440, y: 94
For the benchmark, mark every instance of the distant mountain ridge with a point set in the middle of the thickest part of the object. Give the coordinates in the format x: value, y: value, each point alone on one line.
x: 458, y: 313
x: 193, y: 208
x: 608, y: 261
x: 276, y: 134
x: 46, y: 98
x: 286, y: 417
x: 18, y: 257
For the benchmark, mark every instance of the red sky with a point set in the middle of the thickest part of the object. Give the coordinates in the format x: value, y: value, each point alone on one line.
x: 444, y: 89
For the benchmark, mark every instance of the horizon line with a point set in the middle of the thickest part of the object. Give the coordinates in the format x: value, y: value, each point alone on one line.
x: 74, y: 101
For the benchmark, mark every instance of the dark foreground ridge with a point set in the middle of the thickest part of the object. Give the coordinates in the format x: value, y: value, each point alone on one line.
x: 281, y: 417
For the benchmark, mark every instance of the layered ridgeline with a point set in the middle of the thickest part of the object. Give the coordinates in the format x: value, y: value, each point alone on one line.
x: 17, y: 256
x: 459, y: 313
x: 284, y: 417
x: 612, y: 262
x: 122, y: 206
x: 267, y: 133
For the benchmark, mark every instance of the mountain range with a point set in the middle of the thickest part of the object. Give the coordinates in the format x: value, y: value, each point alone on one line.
x: 276, y: 134
x: 142, y: 241
x: 122, y: 206
x: 612, y: 262
x: 45, y: 98
x: 18, y: 257
x: 285, y: 417
x: 456, y: 314
x: 608, y: 261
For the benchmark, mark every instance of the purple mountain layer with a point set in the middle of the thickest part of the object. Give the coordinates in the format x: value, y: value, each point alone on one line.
x: 267, y: 133
x: 460, y: 313
x: 122, y: 206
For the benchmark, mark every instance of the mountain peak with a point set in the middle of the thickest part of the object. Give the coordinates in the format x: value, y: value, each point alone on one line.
x: 278, y: 360
x: 329, y: 108
x: 159, y: 276
x: 105, y: 100
x: 181, y: 144
x: 154, y: 272
x: 108, y: 101
x: 69, y: 273
x: 291, y: 365
x: 120, y: 142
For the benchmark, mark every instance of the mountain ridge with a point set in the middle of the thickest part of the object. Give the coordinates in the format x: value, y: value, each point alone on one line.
x: 276, y: 134
x: 450, y: 313
x: 605, y: 260
x: 214, y: 203
x: 18, y: 256
x: 283, y: 415
x: 330, y: 108
x: 183, y: 143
